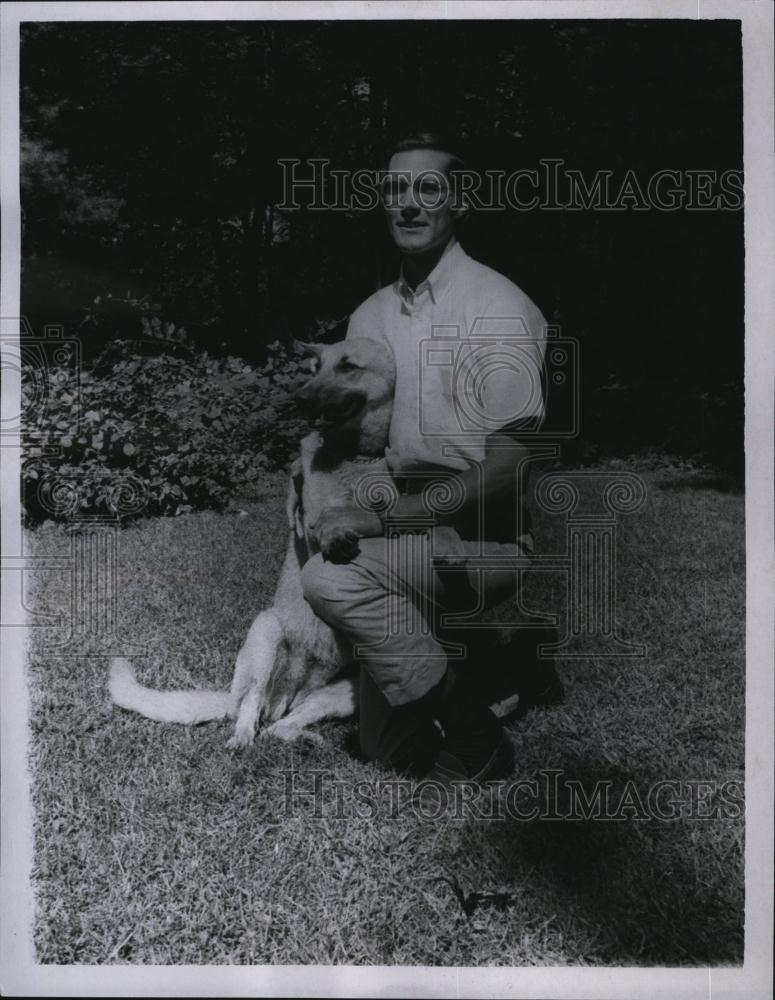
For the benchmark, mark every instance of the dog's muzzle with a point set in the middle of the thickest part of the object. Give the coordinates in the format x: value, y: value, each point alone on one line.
x: 333, y: 413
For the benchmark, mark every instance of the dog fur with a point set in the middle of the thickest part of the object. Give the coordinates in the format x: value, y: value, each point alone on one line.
x: 292, y: 670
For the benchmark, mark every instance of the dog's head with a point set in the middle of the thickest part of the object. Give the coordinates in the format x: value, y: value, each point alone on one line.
x: 350, y: 394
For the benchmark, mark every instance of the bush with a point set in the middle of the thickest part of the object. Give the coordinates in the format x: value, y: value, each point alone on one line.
x: 161, y: 434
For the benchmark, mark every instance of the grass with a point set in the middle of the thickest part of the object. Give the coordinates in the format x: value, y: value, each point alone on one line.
x: 155, y: 845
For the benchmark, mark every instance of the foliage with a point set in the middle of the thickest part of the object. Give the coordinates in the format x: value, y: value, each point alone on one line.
x: 187, y: 432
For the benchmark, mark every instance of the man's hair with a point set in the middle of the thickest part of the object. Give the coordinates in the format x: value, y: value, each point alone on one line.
x: 437, y: 141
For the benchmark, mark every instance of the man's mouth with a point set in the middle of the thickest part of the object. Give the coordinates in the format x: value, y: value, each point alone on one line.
x: 412, y: 225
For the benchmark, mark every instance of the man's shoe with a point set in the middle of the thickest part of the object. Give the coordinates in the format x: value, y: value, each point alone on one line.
x: 510, y: 678
x: 449, y: 767
x: 538, y: 685
x: 474, y: 748
x: 435, y: 793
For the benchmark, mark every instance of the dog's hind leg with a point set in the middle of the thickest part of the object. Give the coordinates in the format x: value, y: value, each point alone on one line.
x: 252, y: 676
x: 334, y: 701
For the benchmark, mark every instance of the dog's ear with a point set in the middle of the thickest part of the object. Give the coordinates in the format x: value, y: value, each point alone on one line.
x: 315, y: 350
x: 293, y: 500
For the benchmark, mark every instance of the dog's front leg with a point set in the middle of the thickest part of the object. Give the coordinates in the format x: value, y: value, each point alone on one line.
x: 252, y: 676
x: 334, y: 701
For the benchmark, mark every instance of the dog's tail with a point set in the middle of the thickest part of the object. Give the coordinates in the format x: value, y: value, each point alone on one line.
x: 187, y: 707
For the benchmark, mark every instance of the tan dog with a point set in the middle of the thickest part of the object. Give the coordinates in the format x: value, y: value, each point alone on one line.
x: 289, y: 672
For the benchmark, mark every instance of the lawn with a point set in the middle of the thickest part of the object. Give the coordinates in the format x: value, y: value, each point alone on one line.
x: 156, y: 845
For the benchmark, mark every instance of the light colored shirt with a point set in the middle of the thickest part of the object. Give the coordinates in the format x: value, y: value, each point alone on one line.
x: 469, y: 347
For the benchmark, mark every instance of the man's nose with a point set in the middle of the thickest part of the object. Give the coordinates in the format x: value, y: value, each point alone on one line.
x: 406, y: 202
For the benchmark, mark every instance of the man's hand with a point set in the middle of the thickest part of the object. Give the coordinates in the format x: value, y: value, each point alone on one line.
x: 338, y: 529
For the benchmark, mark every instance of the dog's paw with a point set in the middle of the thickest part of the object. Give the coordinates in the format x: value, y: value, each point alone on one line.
x: 340, y: 548
x: 290, y: 731
x: 242, y: 738
x: 338, y: 530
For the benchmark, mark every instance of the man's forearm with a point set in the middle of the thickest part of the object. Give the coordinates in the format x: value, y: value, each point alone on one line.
x: 488, y: 483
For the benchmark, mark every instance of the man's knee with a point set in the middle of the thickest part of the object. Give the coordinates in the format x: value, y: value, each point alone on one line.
x: 316, y: 583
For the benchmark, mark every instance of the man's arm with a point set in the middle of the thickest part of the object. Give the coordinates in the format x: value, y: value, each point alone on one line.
x: 489, y: 485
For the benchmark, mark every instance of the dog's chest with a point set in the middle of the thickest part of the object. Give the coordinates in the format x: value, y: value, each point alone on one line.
x: 330, y: 482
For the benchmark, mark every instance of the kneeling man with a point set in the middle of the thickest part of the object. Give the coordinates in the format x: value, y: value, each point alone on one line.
x: 469, y: 347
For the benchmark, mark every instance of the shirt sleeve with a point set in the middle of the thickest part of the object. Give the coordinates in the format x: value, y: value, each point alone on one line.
x: 364, y: 321
x: 369, y: 319
x: 355, y: 327
x: 508, y: 379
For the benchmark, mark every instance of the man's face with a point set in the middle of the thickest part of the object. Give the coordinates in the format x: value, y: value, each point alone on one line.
x: 418, y: 200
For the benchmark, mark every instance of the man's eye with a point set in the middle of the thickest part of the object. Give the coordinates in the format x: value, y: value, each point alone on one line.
x: 432, y: 192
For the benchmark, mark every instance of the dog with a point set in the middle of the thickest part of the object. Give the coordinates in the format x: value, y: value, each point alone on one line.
x: 293, y: 670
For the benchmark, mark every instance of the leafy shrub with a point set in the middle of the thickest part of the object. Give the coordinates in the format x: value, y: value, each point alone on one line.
x: 182, y: 432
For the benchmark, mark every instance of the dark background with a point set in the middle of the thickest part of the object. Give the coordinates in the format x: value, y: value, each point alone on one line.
x: 150, y: 182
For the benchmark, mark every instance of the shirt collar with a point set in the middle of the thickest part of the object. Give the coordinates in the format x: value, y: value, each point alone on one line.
x: 440, y: 278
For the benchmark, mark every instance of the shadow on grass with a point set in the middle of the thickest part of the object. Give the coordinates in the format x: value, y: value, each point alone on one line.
x: 658, y: 892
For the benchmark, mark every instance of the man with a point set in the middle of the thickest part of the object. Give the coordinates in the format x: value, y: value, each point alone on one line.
x: 457, y: 413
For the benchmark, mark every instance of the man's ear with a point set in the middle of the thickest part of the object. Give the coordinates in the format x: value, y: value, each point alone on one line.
x: 460, y: 200
x: 460, y: 212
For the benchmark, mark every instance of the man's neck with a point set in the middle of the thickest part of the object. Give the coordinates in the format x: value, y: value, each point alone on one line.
x: 417, y: 266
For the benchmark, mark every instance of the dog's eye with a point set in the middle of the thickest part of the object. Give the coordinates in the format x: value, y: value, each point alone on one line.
x: 345, y: 365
